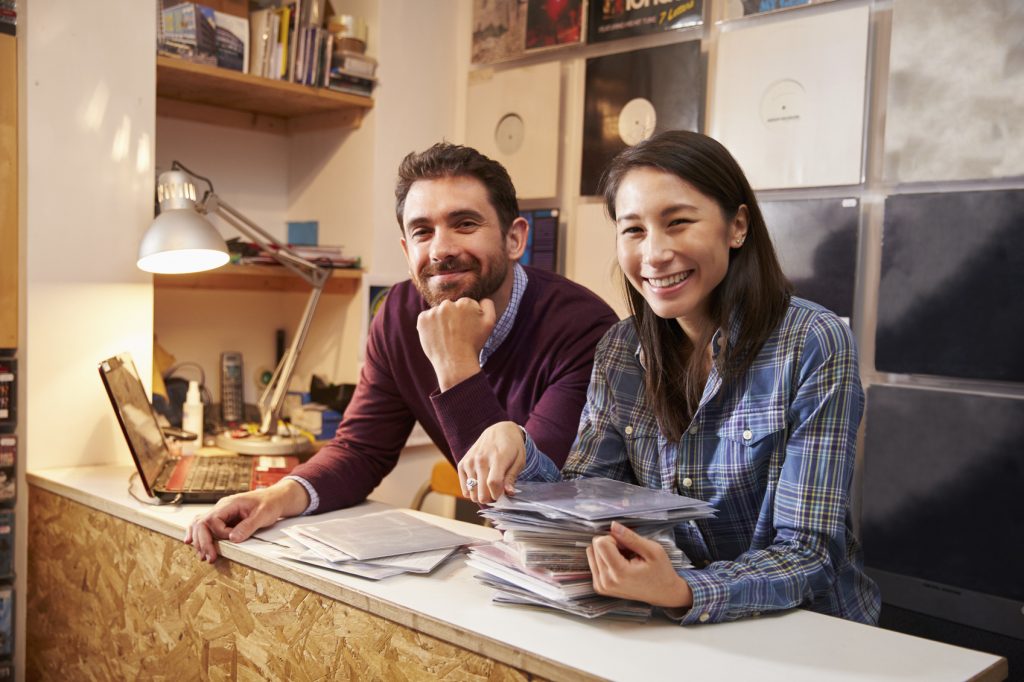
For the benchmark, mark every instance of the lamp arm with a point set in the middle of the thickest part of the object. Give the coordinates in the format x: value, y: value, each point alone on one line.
x: 311, y: 272
x: 271, y: 401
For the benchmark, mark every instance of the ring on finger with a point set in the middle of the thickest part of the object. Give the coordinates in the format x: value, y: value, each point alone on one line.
x: 472, y: 483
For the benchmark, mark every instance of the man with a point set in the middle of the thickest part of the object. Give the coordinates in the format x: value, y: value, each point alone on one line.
x: 472, y: 340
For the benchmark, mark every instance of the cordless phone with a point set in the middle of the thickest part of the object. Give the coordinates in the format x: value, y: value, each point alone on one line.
x: 232, y: 405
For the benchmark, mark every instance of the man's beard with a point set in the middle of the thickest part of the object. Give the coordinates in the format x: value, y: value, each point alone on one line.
x: 478, y: 287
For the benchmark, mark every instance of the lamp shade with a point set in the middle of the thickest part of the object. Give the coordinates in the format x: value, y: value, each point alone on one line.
x: 179, y: 241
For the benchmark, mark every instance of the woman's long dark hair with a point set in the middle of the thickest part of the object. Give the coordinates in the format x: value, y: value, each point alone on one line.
x: 754, y: 293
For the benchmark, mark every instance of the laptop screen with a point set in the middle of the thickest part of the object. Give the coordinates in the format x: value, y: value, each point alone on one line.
x: 136, y: 416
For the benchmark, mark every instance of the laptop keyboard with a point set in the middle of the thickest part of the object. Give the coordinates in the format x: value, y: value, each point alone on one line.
x: 219, y: 473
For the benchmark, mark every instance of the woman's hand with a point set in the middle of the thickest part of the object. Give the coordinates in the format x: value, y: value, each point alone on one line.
x: 494, y: 462
x: 629, y: 566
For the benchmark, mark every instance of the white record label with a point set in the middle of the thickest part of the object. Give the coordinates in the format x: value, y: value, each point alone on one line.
x: 783, y: 103
x: 637, y: 120
x: 509, y: 133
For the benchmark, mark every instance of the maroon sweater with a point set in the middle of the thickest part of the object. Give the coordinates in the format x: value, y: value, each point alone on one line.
x: 537, y: 377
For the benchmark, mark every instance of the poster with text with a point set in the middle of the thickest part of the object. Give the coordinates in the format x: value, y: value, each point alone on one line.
x: 615, y: 19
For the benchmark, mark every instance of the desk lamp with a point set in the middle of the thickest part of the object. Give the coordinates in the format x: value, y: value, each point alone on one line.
x: 182, y: 240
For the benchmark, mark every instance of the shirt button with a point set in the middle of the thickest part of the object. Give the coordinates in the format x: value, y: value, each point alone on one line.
x: 704, y: 617
x: 629, y: 430
x: 748, y: 434
x: 694, y: 429
x: 687, y: 482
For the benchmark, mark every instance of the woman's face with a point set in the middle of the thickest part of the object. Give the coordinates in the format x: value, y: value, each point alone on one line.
x: 673, y: 244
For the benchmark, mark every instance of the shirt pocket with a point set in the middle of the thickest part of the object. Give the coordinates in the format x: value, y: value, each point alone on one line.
x: 747, y: 440
x: 640, y: 435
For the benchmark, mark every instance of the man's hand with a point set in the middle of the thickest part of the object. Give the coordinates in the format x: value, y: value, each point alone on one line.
x: 494, y: 461
x: 452, y: 335
x: 629, y: 566
x: 237, y: 517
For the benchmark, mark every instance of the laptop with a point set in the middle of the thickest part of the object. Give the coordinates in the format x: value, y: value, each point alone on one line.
x: 195, y: 479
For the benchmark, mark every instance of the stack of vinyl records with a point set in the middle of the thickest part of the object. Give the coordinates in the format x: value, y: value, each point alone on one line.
x: 541, y: 559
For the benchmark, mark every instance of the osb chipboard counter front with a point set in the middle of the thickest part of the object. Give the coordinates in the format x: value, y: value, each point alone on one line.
x: 113, y: 600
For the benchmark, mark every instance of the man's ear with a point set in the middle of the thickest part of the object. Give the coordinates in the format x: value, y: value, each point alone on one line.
x: 405, y: 250
x: 515, y: 238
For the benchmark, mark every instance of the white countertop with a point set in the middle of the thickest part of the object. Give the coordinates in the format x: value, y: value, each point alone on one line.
x: 451, y: 605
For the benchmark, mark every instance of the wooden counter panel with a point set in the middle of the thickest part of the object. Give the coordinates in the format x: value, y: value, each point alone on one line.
x: 111, y: 600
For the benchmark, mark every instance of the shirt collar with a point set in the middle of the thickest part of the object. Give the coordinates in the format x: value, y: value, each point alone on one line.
x: 504, y: 325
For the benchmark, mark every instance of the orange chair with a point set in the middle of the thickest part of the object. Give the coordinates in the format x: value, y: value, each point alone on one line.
x: 444, y: 480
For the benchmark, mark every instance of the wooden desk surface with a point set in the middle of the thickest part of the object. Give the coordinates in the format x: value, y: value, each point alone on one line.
x: 452, y: 609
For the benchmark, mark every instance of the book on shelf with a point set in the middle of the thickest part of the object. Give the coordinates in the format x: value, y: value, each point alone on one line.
x: 188, y: 30
x: 232, y: 41
x: 354, y: 63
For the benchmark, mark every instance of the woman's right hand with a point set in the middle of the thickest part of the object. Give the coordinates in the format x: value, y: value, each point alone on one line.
x: 494, y: 462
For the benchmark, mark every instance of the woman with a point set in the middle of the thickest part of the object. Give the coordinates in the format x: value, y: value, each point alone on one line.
x: 721, y: 386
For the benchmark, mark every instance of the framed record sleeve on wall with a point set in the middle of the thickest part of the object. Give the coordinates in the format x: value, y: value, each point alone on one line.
x: 615, y: 19
x: 553, y: 23
x: 513, y: 117
x: 632, y: 95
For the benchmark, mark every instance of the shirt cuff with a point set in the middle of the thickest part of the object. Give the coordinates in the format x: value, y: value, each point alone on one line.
x: 314, y: 499
x: 539, y: 466
x: 710, y: 598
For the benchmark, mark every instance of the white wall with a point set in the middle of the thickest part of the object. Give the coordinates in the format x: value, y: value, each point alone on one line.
x: 87, y: 136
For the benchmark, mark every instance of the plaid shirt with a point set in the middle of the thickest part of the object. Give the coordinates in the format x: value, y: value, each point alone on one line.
x: 504, y: 324
x: 773, y: 452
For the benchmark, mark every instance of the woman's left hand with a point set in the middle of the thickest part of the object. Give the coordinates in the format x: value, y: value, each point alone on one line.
x: 629, y: 566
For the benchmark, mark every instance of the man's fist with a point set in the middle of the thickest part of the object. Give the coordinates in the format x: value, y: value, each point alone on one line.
x: 452, y: 335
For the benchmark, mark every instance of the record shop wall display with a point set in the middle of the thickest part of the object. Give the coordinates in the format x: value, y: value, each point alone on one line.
x: 632, y: 95
x: 734, y: 9
x: 499, y: 30
x: 794, y: 117
x: 956, y: 91
x: 616, y: 19
x: 553, y: 23
x: 816, y: 242
x: 949, y: 299
x: 514, y: 118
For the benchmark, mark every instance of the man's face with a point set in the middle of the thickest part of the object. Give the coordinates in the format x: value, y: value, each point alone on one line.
x: 452, y: 240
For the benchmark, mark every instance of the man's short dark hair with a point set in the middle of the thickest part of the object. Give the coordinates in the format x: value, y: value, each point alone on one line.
x: 445, y: 160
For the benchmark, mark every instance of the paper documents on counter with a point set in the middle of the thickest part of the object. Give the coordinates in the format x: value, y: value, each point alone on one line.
x: 541, y: 559
x: 373, y: 546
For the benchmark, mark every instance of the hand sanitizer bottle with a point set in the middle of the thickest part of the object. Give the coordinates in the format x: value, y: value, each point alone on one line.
x: 192, y: 417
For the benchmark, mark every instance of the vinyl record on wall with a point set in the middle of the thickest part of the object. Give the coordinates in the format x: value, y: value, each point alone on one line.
x: 499, y: 30
x: 794, y: 117
x: 816, y: 242
x: 955, y: 106
x: 632, y: 95
x: 615, y: 19
x: 949, y: 299
x: 553, y: 23
x: 512, y: 117
x: 940, y: 465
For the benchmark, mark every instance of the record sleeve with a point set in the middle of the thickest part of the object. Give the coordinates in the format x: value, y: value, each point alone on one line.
x: 949, y: 299
x: 615, y: 19
x: 956, y: 91
x: 734, y: 9
x: 816, y: 242
x: 513, y: 118
x: 794, y: 117
x: 499, y: 30
x: 632, y: 95
x: 553, y: 23
x: 542, y: 239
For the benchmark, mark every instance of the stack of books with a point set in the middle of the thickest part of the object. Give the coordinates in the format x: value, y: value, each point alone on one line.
x: 353, y: 73
x: 246, y: 253
x: 373, y: 546
x: 541, y: 559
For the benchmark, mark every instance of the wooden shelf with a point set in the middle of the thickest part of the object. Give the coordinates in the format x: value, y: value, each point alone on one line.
x: 214, y: 95
x: 258, y: 278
